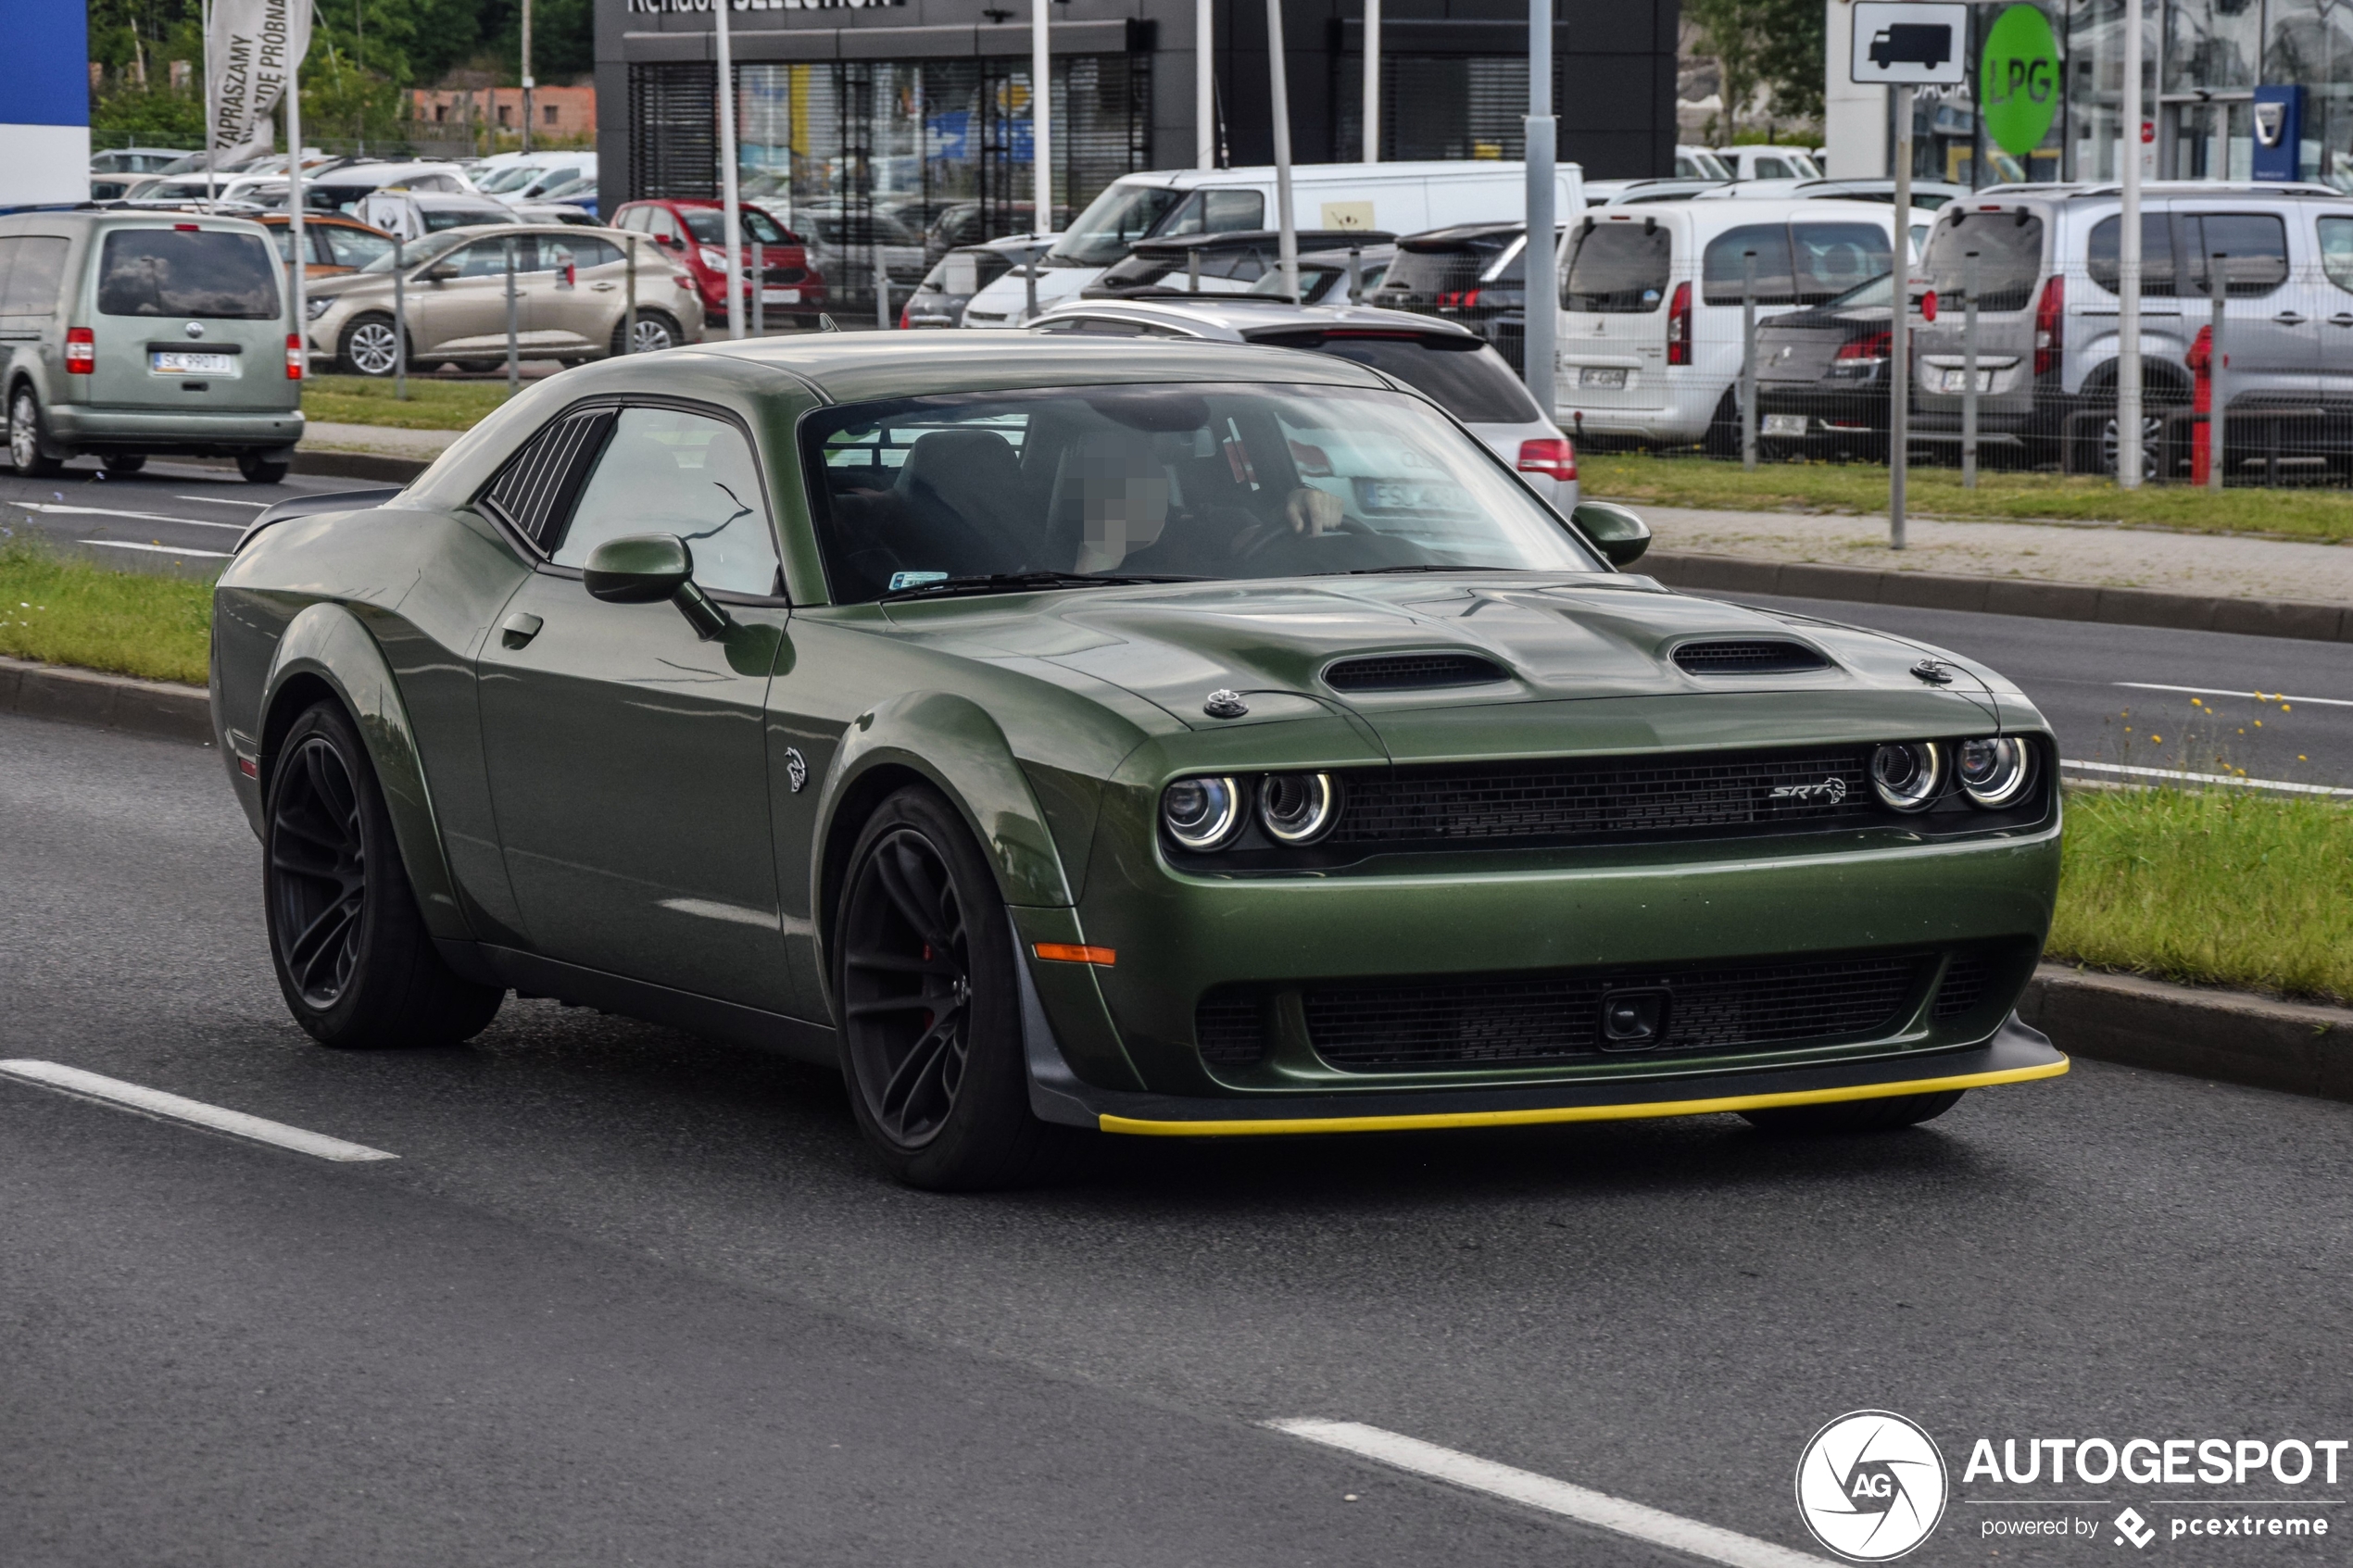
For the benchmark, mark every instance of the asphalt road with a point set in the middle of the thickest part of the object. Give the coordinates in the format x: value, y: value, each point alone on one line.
x: 176, y: 515
x: 627, y: 1297
x: 2100, y: 686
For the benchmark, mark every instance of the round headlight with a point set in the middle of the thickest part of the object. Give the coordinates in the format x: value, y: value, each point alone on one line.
x: 1298, y: 807
x: 1907, y: 774
x: 1202, y: 813
x: 1995, y: 772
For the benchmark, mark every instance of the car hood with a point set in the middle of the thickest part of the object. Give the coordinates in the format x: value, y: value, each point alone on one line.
x: 1559, y: 639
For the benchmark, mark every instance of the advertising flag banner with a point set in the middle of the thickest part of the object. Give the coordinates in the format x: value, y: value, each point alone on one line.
x: 250, y: 54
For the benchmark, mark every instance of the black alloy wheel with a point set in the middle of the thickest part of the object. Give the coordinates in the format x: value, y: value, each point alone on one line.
x: 1882, y: 1115
x: 929, y: 1005
x: 354, y: 961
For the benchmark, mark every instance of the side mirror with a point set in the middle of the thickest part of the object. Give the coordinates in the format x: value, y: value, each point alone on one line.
x: 1619, y: 535
x: 441, y: 271
x: 676, y: 241
x: 644, y: 569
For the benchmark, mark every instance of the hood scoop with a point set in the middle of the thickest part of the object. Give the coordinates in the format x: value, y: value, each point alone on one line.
x: 1749, y: 655
x: 1413, y: 672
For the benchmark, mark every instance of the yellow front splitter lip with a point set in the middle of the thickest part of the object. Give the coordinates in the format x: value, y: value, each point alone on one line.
x: 1437, y: 1120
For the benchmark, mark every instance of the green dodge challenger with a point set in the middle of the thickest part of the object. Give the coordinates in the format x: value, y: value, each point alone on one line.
x: 1161, y: 738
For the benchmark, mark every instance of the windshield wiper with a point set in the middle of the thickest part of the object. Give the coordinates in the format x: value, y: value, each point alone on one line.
x: 1015, y: 582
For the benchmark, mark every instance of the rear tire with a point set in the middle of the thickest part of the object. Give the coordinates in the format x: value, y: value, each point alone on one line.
x: 27, y: 437
x: 259, y: 469
x: 655, y: 331
x: 352, y: 956
x: 930, y: 1004
x: 125, y: 462
x: 1849, y: 1116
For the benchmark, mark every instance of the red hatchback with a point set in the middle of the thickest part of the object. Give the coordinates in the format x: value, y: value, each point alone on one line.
x: 694, y: 232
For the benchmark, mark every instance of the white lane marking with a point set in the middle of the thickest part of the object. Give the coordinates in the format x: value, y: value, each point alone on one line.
x: 2202, y: 778
x: 1525, y: 1487
x: 155, y: 1102
x: 155, y: 549
x: 116, y: 512
x: 2252, y: 696
x: 258, y: 506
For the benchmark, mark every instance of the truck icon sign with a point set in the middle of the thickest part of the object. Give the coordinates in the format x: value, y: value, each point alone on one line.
x: 1912, y: 43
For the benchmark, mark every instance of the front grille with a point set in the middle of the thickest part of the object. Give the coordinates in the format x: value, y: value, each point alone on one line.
x: 1482, y: 1021
x: 1409, y: 671
x: 1750, y: 657
x: 1964, y: 981
x: 1230, y: 1029
x: 784, y: 275
x: 1604, y: 798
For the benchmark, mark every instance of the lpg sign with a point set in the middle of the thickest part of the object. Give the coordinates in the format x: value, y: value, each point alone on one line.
x: 2018, y: 80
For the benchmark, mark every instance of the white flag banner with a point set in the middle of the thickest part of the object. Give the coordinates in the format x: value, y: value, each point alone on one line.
x: 250, y: 55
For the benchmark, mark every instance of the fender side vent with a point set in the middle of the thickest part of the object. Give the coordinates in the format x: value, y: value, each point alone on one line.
x: 1413, y: 672
x: 1750, y: 657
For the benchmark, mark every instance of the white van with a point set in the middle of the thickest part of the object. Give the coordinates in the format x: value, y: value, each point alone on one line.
x: 1400, y: 198
x: 1768, y: 162
x: 1650, y: 324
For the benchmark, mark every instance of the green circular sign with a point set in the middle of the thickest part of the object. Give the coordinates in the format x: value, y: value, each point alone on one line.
x: 2018, y: 79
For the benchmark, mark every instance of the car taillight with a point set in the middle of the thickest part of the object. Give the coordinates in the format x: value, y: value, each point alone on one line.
x: 1458, y: 299
x: 2050, y: 326
x: 1679, y: 326
x: 294, y: 356
x: 1550, y: 455
x: 903, y: 316
x: 1873, y: 347
x: 82, y: 351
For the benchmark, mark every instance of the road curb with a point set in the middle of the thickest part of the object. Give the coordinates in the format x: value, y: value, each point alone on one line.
x: 2311, y: 620
x: 381, y: 467
x: 163, y: 708
x: 2231, y: 1035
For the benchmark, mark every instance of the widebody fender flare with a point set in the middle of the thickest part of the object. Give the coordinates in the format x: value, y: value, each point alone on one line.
x: 326, y: 641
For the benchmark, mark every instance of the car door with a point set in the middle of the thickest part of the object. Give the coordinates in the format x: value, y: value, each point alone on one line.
x: 2269, y: 337
x: 2332, y: 306
x: 577, y: 294
x: 467, y: 313
x: 625, y: 755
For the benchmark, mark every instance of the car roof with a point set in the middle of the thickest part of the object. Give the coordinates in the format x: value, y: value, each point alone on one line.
x: 2096, y: 190
x: 1250, y: 239
x: 1234, y: 318
x: 862, y: 367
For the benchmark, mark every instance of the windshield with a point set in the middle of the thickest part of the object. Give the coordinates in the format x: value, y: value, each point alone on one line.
x: 512, y: 178
x: 1195, y: 481
x: 1112, y: 223
x: 709, y: 225
x: 2009, y: 256
x: 417, y: 253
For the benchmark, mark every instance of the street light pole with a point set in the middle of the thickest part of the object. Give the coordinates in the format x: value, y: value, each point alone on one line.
x: 527, y: 83
x: 1041, y: 118
x: 1540, y: 294
x: 1899, y: 322
x: 1205, y: 89
x: 2128, y: 267
x: 1277, y: 81
x: 1372, y: 81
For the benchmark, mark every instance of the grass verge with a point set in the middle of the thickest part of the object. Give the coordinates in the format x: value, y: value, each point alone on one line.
x: 2215, y: 888
x: 432, y: 405
x: 66, y: 611
x: 2314, y: 516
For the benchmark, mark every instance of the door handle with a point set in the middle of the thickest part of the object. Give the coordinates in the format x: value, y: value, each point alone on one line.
x: 519, y: 629
x: 2342, y: 319
x: 2288, y: 318
x: 604, y: 288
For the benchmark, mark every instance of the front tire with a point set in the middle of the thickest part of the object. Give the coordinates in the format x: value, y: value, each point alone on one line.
x: 369, y: 346
x: 26, y: 437
x: 930, y: 1005
x: 1854, y: 1115
x: 352, y: 955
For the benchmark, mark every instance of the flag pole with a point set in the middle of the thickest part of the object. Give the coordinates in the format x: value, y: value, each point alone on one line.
x: 731, y: 212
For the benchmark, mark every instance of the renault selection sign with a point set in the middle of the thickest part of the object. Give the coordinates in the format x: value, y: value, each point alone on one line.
x: 1915, y: 45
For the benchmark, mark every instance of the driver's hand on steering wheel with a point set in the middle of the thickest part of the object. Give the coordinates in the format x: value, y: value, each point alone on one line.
x: 1312, y: 512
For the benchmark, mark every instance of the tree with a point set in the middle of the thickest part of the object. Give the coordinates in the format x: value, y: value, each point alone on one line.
x: 1776, y: 45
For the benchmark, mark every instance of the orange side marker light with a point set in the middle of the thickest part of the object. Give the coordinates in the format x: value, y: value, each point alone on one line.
x: 1074, y: 952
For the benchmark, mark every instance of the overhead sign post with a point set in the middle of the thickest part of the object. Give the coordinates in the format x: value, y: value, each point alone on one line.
x: 1905, y: 46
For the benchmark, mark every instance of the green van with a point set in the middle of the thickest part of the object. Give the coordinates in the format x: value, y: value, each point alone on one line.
x: 124, y: 334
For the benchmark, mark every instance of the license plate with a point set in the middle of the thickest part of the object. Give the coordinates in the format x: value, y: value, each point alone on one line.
x: 1957, y: 381
x: 1784, y: 424
x: 780, y: 296
x: 184, y: 362
x: 1410, y: 496
x: 1602, y: 375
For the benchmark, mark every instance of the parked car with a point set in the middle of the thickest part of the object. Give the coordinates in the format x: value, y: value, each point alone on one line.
x: 1446, y: 363
x: 579, y: 192
x: 1629, y: 192
x: 1650, y: 326
x: 841, y: 242
x: 693, y: 233
x: 2047, y: 276
x: 1699, y: 163
x: 1767, y: 163
x: 1128, y: 774
x: 1247, y: 262
x: 1822, y: 376
x: 123, y: 336
x: 1475, y: 274
x: 571, y: 298
x: 1396, y: 198
x: 555, y: 212
x: 535, y: 178
x: 1325, y: 276
x: 335, y: 245
x: 940, y: 298
x: 967, y: 223
x: 135, y: 160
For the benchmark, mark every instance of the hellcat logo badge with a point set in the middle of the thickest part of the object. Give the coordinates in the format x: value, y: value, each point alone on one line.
x: 796, y: 768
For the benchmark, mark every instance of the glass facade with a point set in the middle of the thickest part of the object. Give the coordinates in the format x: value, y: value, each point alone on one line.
x: 2201, y: 62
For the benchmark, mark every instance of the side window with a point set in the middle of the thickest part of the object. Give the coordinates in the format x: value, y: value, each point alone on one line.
x: 1723, y: 265
x: 487, y: 258
x: 666, y: 471
x: 1773, y: 169
x: 2157, y: 277
x: 1219, y: 212
x: 535, y: 488
x: 32, y: 268
x: 2255, y: 242
x: 2336, y: 250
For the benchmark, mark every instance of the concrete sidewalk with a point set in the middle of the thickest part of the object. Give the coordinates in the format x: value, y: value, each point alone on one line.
x: 2213, y: 565
x: 392, y: 441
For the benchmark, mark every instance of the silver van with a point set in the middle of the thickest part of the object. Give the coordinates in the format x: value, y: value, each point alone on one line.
x: 125, y: 334
x: 2047, y: 344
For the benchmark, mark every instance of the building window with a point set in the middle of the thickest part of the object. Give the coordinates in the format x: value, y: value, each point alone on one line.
x: 506, y: 114
x: 549, y: 114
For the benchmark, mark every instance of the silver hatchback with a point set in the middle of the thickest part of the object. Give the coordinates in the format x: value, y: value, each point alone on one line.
x: 125, y: 334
